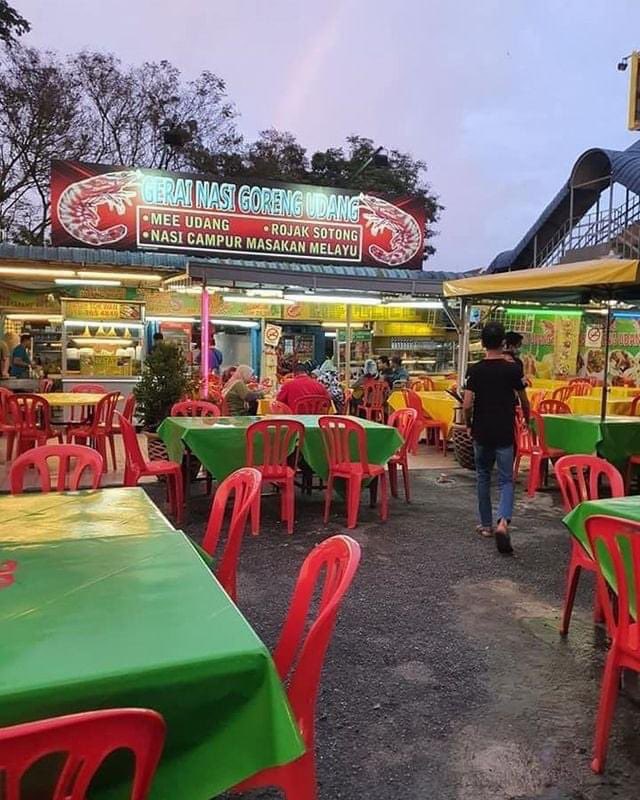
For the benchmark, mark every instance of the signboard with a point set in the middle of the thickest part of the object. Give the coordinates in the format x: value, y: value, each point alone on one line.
x: 633, y: 114
x: 356, y: 336
x: 272, y: 334
x: 93, y: 205
x: 102, y: 310
x: 593, y: 336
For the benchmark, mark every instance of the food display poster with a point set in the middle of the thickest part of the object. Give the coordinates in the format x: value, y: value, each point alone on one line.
x: 624, y: 352
x: 129, y: 208
x: 551, y: 347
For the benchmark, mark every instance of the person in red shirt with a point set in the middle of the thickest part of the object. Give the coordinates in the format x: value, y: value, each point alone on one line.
x: 302, y: 385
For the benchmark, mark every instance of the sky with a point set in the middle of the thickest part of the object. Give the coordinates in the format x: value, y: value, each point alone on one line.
x: 498, y: 97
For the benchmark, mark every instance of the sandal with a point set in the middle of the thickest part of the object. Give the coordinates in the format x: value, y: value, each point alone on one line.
x: 503, y: 540
x: 483, y: 530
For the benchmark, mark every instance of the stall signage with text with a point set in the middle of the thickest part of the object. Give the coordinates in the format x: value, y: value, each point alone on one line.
x: 93, y: 205
x: 99, y: 310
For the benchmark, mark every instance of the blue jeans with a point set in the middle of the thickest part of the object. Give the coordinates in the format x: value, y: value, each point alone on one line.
x: 486, y: 457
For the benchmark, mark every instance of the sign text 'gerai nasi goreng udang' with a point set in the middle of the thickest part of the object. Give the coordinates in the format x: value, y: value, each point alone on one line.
x: 93, y: 205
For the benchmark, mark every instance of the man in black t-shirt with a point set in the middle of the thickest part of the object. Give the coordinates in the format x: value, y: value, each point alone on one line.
x: 490, y: 407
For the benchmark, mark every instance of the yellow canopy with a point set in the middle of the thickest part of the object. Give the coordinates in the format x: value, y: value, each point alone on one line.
x: 563, y: 283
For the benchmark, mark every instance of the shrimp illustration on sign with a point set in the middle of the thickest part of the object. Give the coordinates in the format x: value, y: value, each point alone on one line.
x: 79, y: 203
x: 406, y: 236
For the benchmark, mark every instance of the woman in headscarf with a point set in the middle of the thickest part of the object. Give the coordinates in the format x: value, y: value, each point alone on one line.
x: 327, y: 375
x: 241, y: 401
x: 369, y: 375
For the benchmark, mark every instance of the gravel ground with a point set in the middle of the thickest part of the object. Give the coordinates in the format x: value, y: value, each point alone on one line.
x: 446, y: 678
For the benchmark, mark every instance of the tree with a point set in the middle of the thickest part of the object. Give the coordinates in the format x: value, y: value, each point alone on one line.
x: 12, y: 24
x: 39, y: 120
x: 91, y: 108
x: 278, y: 156
x: 132, y: 108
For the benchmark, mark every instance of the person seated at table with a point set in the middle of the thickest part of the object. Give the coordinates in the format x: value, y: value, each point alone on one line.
x: 384, y: 369
x: 302, y: 385
x: 241, y: 401
x: 228, y: 374
x: 399, y: 374
x: 369, y: 376
x: 327, y: 375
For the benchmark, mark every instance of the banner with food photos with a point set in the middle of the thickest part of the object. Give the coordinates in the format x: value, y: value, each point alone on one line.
x: 551, y: 348
x: 624, y: 352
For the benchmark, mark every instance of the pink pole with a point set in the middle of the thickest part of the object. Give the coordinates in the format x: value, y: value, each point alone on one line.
x: 204, y: 341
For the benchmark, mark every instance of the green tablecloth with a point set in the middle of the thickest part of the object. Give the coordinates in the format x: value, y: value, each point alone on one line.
x: 111, y: 620
x: 220, y: 443
x: 627, y: 507
x: 615, y: 439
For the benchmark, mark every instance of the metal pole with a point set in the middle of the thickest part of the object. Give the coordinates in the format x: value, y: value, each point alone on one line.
x: 610, y: 207
x: 261, y: 348
x: 571, y: 217
x: 347, y: 355
x: 204, y: 341
x: 463, y: 341
x: 603, y: 405
x: 535, y: 250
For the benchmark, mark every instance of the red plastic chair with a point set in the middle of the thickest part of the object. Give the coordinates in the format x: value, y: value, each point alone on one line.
x: 86, y: 740
x: 312, y: 404
x: 84, y: 412
x: 536, y: 398
x: 276, y: 407
x: 539, y: 455
x: 99, y: 430
x: 69, y: 477
x: 615, y: 541
x: 137, y: 467
x: 245, y: 483
x: 553, y: 406
x: 424, y: 422
x: 31, y: 416
x: 373, y: 400
x: 563, y: 393
x: 45, y: 385
x: 272, y: 448
x: 403, y: 421
x: 425, y: 384
x: 299, y: 657
x: 6, y: 424
x: 339, y: 435
x: 579, y: 479
x: 128, y: 412
x: 194, y: 408
x: 580, y: 388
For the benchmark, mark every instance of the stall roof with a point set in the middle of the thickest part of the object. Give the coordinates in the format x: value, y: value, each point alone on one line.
x: 320, y: 276
x: 84, y: 256
x: 566, y: 283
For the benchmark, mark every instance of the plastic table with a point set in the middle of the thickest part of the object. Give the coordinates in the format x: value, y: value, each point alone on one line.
x: 70, y: 399
x: 220, y: 442
x: 439, y: 405
x: 112, y: 607
x: 615, y: 439
x: 627, y: 507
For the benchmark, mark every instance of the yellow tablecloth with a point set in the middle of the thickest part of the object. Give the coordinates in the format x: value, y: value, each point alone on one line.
x: 438, y: 405
x: 265, y: 402
x: 616, y: 406
x: 441, y: 384
x: 68, y: 399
